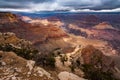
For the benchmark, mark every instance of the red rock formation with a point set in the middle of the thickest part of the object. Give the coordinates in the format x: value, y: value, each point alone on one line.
x: 103, y: 25
x: 37, y: 34
x: 7, y: 17
x: 91, y: 55
x: 48, y: 31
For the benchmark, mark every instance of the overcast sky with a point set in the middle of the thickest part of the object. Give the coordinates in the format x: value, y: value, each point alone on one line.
x: 50, y: 5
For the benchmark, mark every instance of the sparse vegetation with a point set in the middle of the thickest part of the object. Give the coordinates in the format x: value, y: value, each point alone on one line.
x: 93, y: 66
x: 93, y: 73
x: 63, y: 59
x: 94, y: 69
x: 46, y: 61
x: 27, y: 53
x: 72, y: 67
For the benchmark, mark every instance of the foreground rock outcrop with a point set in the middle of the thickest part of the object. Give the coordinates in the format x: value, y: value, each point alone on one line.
x: 13, y: 67
x: 69, y: 76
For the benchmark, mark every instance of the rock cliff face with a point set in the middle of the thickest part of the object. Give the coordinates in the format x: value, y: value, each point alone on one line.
x: 69, y: 76
x: 11, y: 23
x: 94, y: 26
x: 90, y: 52
x: 46, y: 34
x: 7, y: 17
x: 13, y: 67
x: 103, y: 31
x: 39, y: 32
x: 103, y: 25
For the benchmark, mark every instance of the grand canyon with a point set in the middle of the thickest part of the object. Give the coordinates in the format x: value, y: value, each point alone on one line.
x: 71, y: 41
x: 59, y: 44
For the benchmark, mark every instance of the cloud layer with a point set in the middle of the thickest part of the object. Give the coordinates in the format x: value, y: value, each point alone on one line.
x: 50, y: 5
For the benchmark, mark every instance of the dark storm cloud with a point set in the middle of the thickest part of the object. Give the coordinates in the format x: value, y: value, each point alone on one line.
x: 93, y: 4
x: 19, y: 3
x: 108, y: 4
x: 22, y: 1
x: 37, y: 5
